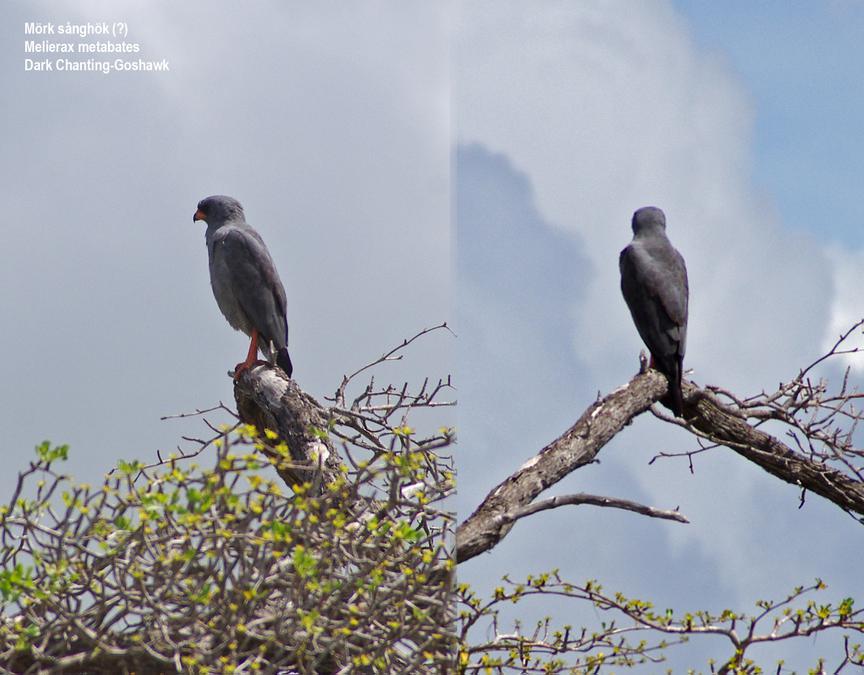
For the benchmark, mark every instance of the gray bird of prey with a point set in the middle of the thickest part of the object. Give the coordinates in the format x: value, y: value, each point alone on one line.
x: 245, y: 281
x: 654, y: 284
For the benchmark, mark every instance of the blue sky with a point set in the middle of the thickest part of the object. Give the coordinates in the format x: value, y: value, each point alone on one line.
x: 800, y: 63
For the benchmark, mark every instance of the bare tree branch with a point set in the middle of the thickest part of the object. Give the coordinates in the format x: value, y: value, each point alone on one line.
x: 391, y: 355
x: 576, y: 447
x: 707, y: 417
x: 729, y: 427
x: 594, y: 500
x: 268, y: 399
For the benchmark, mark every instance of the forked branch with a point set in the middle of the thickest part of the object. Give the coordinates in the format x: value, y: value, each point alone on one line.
x: 824, y: 459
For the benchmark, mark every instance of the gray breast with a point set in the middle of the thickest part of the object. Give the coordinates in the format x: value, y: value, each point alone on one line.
x: 223, y: 288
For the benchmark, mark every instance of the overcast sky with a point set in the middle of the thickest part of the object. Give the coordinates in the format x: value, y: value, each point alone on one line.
x: 335, y: 125
x: 329, y: 123
x: 742, y: 125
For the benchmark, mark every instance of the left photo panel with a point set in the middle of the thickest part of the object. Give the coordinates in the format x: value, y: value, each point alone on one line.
x: 229, y: 404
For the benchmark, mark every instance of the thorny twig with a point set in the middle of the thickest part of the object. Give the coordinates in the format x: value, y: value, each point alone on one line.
x: 820, y: 423
x: 392, y: 355
x: 612, y: 642
x: 202, y: 444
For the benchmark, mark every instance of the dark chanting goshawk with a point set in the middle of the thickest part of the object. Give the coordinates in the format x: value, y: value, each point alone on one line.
x: 654, y: 284
x: 245, y: 281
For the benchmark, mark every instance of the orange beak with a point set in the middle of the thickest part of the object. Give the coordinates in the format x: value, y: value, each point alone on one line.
x: 199, y: 215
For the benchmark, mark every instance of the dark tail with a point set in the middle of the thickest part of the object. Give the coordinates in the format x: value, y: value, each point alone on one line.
x: 283, y: 360
x: 676, y: 397
x: 672, y: 369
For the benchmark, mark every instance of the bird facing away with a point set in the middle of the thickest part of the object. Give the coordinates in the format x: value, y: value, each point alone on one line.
x: 654, y: 284
x: 245, y: 281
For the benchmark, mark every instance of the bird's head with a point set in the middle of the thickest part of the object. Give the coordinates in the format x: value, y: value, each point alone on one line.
x: 648, y: 219
x: 218, y: 209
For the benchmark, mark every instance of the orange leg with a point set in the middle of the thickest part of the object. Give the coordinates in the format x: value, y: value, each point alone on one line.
x: 250, y: 357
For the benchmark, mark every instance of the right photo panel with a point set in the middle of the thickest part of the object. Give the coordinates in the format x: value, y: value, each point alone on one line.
x: 659, y: 266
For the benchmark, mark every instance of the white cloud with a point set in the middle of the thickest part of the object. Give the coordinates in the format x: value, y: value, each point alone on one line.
x: 610, y: 106
x: 847, y: 306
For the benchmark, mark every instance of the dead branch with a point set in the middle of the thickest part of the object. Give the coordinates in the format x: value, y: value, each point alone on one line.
x: 707, y: 417
x: 593, y: 500
x: 268, y: 399
x: 391, y: 355
x: 576, y: 447
x: 729, y: 427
